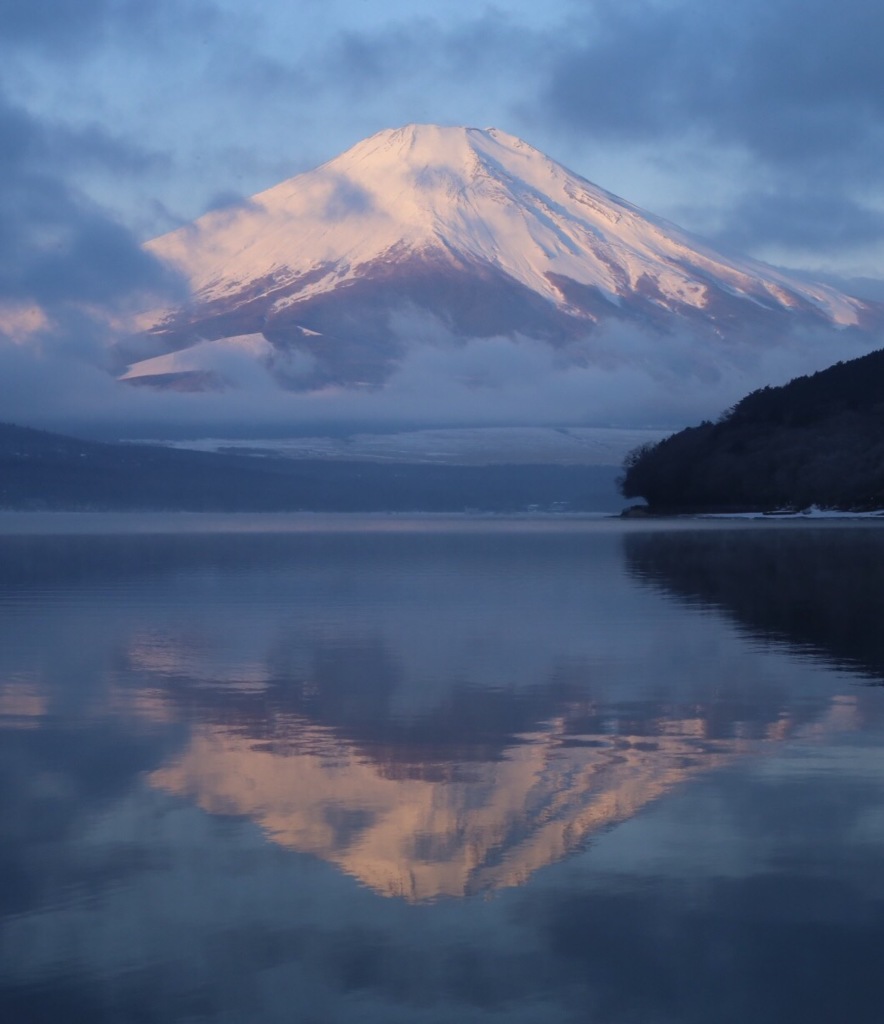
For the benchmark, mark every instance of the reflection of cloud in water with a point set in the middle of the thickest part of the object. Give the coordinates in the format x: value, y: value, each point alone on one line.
x: 149, y: 704
x: 158, y: 653
x: 22, y: 704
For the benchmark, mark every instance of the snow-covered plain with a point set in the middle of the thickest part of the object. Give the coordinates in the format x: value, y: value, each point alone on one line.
x: 575, y: 446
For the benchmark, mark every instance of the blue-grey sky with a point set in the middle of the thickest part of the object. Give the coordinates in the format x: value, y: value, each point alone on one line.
x: 759, y: 124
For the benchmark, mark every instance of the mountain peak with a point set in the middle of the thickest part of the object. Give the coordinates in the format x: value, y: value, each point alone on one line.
x: 426, y: 157
x: 418, y: 141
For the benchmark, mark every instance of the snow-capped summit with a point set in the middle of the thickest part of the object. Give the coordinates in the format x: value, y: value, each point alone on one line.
x: 472, y: 227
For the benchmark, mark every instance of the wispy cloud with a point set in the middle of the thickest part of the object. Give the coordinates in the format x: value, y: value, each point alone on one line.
x: 624, y: 378
x: 794, y: 88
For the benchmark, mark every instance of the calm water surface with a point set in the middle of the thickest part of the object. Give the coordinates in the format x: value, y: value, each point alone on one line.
x: 387, y: 770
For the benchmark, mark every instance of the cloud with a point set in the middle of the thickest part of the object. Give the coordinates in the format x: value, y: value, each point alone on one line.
x: 620, y: 377
x: 68, y: 268
x: 393, y: 57
x: 789, y: 79
x: 229, y: 200
x: 807, y: 219
x: 430, y: 67
x: 73, y: 29
x: 795, y: 88
x: 53, y: 25
x: 346, y: 199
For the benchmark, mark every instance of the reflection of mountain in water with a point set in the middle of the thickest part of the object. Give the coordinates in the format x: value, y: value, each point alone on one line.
x: 475, y: 793
x: 818, y: 588
x: 436, y: 713
x: 483, y: 828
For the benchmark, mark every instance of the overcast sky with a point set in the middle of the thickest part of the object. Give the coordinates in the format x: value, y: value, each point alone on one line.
x: 759, y: 124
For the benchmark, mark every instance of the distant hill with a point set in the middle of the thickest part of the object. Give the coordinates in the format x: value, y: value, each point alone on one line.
x: 40, y: 470
x: 818, y: 440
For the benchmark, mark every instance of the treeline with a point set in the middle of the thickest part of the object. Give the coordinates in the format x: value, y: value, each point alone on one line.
x: 818, y: 440
x: 39, y: 470
x: 816, y: 589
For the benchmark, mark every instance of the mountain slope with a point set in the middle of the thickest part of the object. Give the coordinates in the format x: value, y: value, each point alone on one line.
x: 330, y: 276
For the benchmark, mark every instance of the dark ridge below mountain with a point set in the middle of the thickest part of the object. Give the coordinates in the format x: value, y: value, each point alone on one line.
x: 45, y: 471
x: 818, y: 440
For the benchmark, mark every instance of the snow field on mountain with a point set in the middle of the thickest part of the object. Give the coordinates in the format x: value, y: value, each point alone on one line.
x: 471, y: 194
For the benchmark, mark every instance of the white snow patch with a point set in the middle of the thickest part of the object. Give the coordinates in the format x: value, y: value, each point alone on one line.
x: 584, y: 446
x: 204, y: 357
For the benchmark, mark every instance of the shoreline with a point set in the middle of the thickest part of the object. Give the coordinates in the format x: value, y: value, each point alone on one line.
x: 18, y: 523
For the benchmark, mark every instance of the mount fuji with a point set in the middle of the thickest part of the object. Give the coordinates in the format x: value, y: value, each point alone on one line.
x: 331, y: 278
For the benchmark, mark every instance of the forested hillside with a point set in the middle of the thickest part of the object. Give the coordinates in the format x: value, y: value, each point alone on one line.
x: 818, y: 440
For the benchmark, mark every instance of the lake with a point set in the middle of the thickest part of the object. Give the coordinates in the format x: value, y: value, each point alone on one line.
x: 388, y: 769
